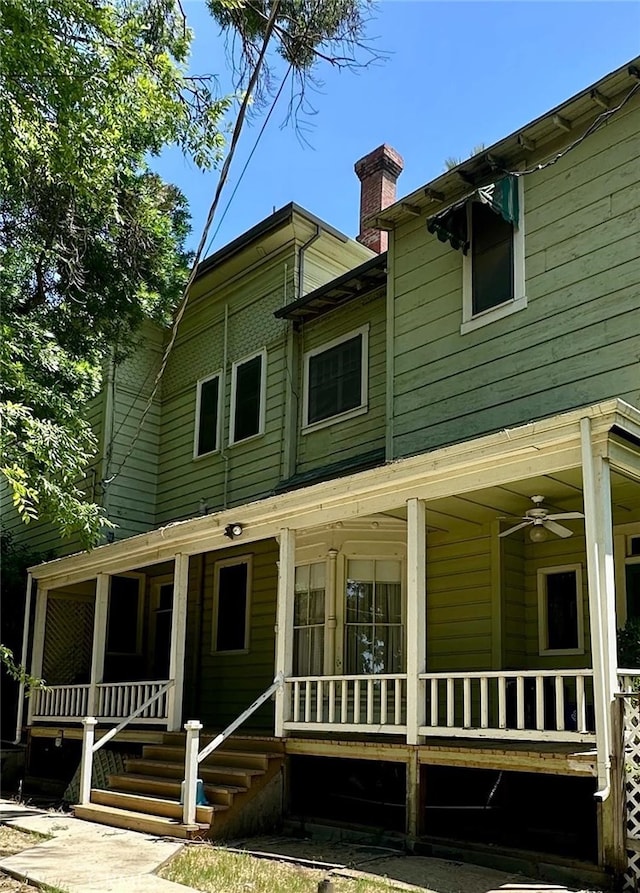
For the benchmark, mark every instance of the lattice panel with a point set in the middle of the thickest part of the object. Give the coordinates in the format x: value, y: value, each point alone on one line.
x: 632, y: 787
x: 105, y: 763
x: 68, y: 641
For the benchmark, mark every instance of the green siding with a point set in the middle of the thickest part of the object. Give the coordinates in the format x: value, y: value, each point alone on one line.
x: 578, y: 340
x: 513, y: 603
x: 228, y: 683
x: 347, y: 439
x: 459, y: 605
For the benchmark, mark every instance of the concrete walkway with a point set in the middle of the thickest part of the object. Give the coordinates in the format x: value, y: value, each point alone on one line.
x: 83, y: 857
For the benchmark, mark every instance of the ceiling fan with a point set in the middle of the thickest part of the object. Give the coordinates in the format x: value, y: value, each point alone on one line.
x: 540, y: 520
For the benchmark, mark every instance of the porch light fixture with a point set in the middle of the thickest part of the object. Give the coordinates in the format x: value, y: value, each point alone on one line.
x: 233, y: 530
x: 538, y: 534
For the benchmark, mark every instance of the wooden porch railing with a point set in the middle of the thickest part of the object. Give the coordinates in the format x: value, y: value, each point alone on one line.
x: 556, y: 705
x: 375, y: 702
x: 114, y: 701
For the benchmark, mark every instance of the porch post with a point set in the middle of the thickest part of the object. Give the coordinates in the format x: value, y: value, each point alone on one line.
x: 330, y: 629
x: 284, y: 623
x: 99, y: 640
x: 416, y: 616
x: 178, y: 641
x: 601, y: 587
x: 23, y: 656
x: 37, y: 654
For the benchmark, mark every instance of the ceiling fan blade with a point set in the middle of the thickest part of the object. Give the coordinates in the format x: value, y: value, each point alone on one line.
x: 564, y: 515
x: 558, y: 529
x: 513, y: 529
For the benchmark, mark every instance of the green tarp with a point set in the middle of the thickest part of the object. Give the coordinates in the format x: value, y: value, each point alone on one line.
x: 450, y: 225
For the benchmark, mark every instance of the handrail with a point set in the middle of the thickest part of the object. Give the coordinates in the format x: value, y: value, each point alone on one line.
x: 497, y: 674
x: 91, y: 746
x: 193, y: 758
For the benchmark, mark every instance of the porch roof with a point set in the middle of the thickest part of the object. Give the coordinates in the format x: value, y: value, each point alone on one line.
x: 539, y: 447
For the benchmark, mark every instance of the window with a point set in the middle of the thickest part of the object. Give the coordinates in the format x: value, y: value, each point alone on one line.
x: 374, y: 629
x: 231, y: 605
x: 248, y: 397
x: 308, y: 620
x: 124, y: 622
x: 207, y: 437
x: 560, y: 610
x: 493, y: 264
x: 632, y: 577
x: 335, y: 379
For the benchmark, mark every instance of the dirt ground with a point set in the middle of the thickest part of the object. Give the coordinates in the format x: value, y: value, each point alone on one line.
x: 13, y: 841
x: 428, y: 874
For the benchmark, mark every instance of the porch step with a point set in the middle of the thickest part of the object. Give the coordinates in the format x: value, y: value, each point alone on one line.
x: 157, y: 806
x: 241, y: 759
x: 170, y: 789
x: 233, y: 775
x: 138, y: 821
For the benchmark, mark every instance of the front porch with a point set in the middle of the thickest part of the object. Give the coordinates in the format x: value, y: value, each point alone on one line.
x: 389, y: 606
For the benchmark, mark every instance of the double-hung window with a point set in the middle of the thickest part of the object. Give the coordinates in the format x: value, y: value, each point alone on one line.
x: 487, y: 226
x: 248, y: 379
x: 308, y: 620
x: 335, y: 379
x: 374, y: 625
x: 231, y: 605
x: 208, y: 402
x: 560, y: 622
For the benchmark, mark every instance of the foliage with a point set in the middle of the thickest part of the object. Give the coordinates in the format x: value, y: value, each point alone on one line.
x: 629, y: 644
x: 91, y: 241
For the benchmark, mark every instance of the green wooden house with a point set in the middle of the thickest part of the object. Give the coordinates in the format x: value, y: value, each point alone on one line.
x: 400, y: 476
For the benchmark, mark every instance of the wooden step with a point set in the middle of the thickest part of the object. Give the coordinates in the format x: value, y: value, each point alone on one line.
x: 138, y: 821
x: 245, y: 743
x: 158, y: 806
x: 242, y: 759
x: 170, y: 788
x: 212, y: 774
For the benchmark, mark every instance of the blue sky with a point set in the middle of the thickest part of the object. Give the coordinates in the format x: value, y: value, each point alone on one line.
x: 458, y: 74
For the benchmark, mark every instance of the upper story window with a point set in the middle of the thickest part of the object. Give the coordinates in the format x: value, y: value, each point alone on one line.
x: 335, y: 379
x: 248, y: 379
x: 487, y: 227
x: 207, y: 436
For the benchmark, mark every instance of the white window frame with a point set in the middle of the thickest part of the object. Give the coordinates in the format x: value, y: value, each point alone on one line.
x: 263, y: 396
x: 325, y: 630
x: 543, y: 628
x: 471, y: 321
x: 139, y: 619
x: 200, y: 383
x: 230, y: 562
x: 308, y: 427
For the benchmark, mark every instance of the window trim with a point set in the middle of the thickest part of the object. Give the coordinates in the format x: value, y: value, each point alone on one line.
x: 325, y: 623
x: 263, y: 395
x: 141, y: 578
x: 542, y: 574
x: 471, y: 321
x: 196, y: 433
x: 309, y: 427
x: 230, y: 562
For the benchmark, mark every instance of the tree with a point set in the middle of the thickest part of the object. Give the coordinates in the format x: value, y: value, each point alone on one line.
x: 92, y: 241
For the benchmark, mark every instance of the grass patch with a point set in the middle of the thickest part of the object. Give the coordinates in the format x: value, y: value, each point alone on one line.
x: 213, y: 870
x: 13, y: 841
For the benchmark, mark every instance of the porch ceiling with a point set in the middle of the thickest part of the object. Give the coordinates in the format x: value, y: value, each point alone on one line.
x: 469, y: 514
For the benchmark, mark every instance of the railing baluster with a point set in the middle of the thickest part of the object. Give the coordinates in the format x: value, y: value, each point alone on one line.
x: 344, y: 702
x: 435, y: 694
x: 559, y: 703
x: 383, y: 702
x: 581, y: 705
x: 369, y: 702
x: 540, y: 703
x: 319, y: 704
x: 119, y: 694
x: 502, y: 702
x: 397, y: 713
x: 332, y: 700
x: 466, y: 702
x: 356, y: 701
x: 296, y: 702
x: 451, y: 703
x: 484, y: 702
x: 307, y: 701
x: 520, y: 702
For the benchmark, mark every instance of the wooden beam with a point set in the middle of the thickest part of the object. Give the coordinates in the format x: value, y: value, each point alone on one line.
x: 177, y: 651
x: 99, y: 639
x: 562, y: 123
x: 284, y: 622
x: 416, y: 635
x: 37, y: 653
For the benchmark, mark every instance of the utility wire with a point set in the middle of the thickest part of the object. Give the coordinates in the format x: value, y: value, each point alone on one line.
x: 212, y: 210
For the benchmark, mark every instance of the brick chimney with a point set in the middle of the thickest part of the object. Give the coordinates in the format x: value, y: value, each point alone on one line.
x: 378, y: 172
